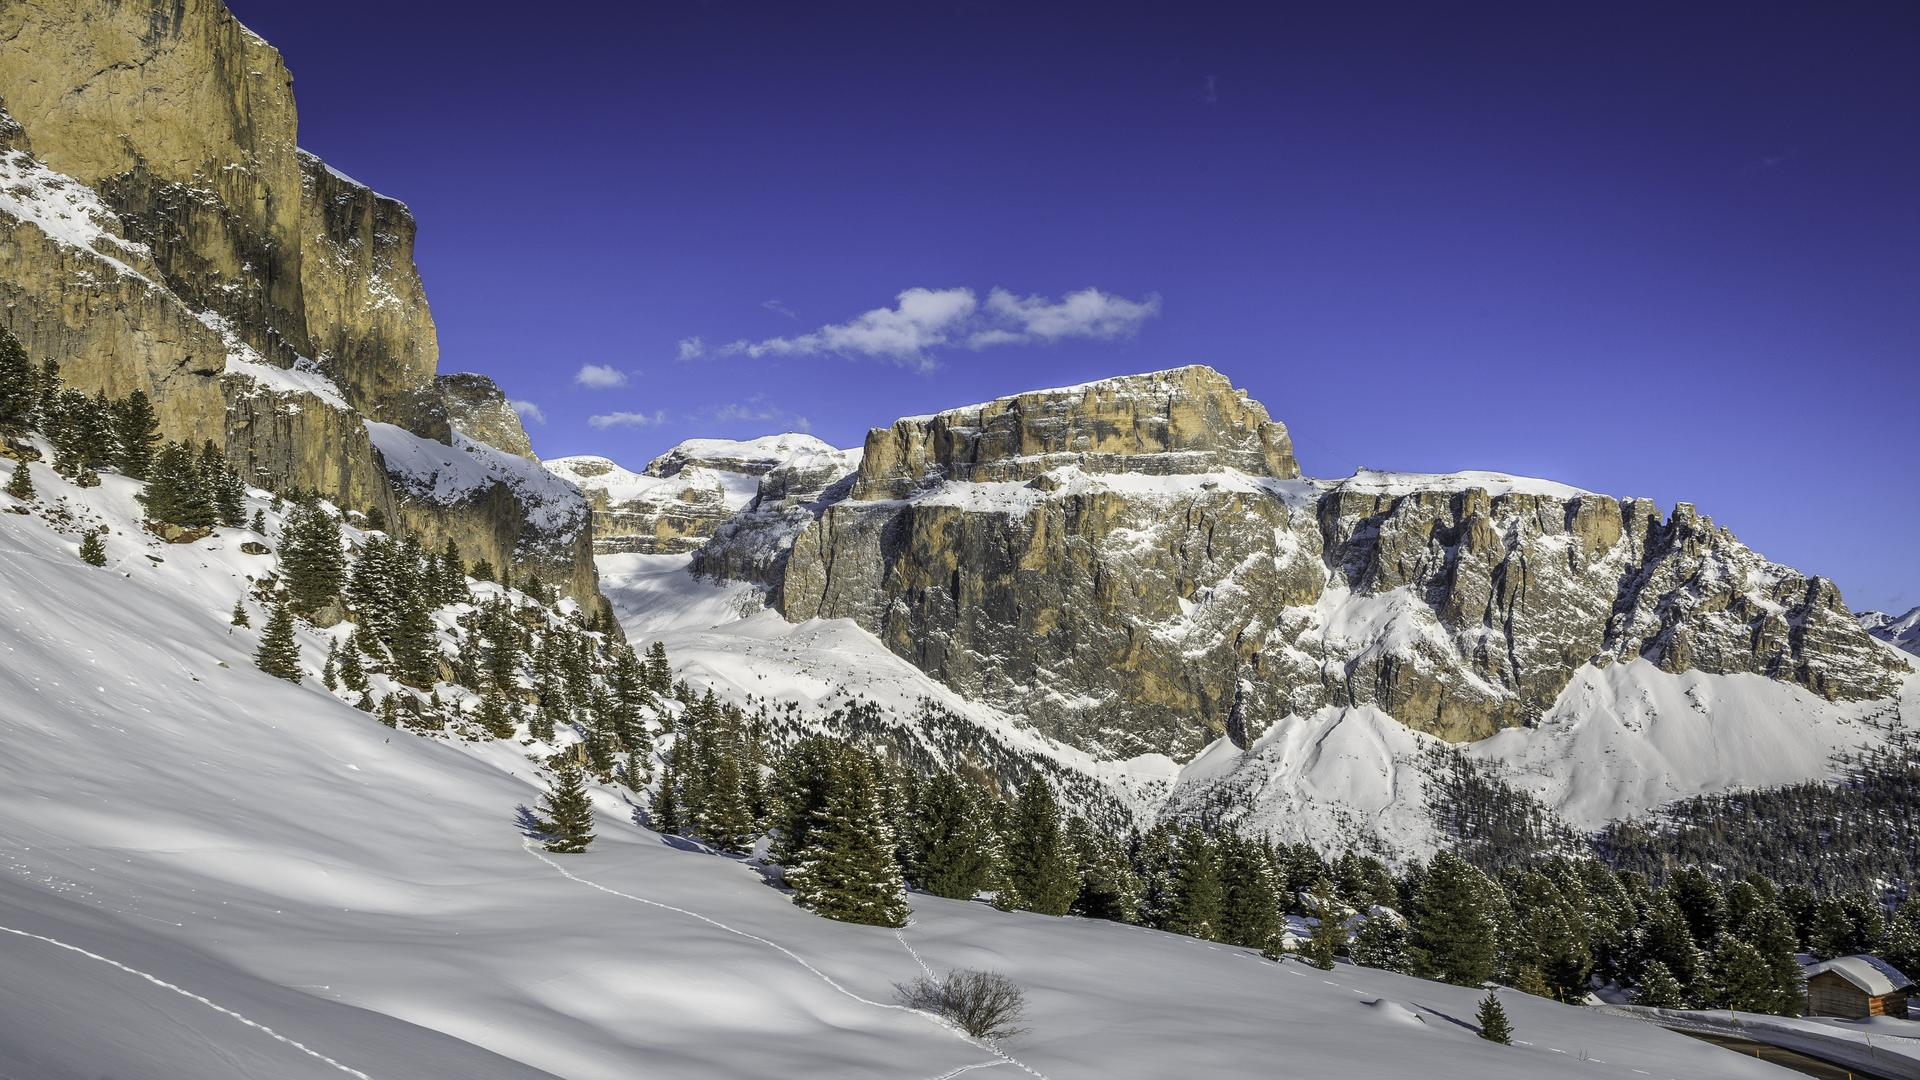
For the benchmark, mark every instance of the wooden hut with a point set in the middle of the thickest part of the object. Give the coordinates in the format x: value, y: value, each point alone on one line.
x: 1857, y: 987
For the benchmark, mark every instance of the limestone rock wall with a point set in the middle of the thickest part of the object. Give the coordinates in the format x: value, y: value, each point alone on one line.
x: 1129, y: 610
x: 162, y: 231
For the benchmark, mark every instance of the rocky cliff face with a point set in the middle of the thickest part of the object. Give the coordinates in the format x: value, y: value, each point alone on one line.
x: 677, y: 502
x: 162, y: 231
x: 477, y: 409
x: 1135, y: 566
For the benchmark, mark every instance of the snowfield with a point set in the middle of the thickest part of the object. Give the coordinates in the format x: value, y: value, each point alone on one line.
x: 210, y: 873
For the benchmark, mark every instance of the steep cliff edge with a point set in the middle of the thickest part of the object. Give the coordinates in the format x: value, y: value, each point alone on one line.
x: 162, y: 231
x: 1135, y: 566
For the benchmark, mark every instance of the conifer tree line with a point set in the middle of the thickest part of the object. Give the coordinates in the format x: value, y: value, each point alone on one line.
x: 853, y: 829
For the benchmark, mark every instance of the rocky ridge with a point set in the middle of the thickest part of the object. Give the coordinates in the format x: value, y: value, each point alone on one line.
x: 1135, y: 566
x: 164, y: 232
x: 681, y: 497
x: 1900, y: 631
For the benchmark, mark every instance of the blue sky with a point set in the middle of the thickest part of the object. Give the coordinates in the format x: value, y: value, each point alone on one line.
x: 1660, y: 250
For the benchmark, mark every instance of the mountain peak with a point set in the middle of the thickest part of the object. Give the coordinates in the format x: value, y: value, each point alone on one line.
x: 1178, y: 421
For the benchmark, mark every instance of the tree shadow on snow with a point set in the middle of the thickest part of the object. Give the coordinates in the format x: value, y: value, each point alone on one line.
x: 529, y: 824
x: 1454, y: 1020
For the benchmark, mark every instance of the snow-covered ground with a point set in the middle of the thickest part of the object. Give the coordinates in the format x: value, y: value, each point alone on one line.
x: 209, y: 873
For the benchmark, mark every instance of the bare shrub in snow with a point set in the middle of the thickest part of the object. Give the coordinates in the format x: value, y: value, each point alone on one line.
x: 985, y: 1004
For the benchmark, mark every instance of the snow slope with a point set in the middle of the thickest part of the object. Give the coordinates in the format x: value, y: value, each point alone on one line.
x: 211, y: 874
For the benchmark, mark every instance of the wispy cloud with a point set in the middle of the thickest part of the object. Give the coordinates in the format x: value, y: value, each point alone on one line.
x: 628, y: 419
x: 779, y: 308
x: 691, y: 348
x: 599, y: 376
x: 922, y: 322
x: 1210, y: 89
x: 757, y: 409
x: 529, y: 412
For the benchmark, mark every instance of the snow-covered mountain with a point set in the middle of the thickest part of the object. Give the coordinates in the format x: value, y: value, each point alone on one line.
x: 1130, y: 578
x: 676, y: 502
x: 215, y: 874
x: 1900, y: 631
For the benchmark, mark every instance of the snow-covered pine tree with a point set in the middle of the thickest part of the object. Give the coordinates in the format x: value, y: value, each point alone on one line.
x: 847, y: 871
x: 1250, y: 898
x: 567, y: 812
x: 93, y: 551
x: 1039, y: 866
x: 1900, y: 944
x: 330, y: 669
x: 239, y: 616
x: 279, y: 654
x: 1381, y: 942
x: 224, y: 487
x: 659, y: 672
x: 800, y: 784
x: 1109, y: 889
x: 311, y: 558
x: 20, y: 484
x: 1492, y: 1016
x: 1664, y: 936
x: 1658, y: 989
x: 353, y: 671
x: 498, y: 714
x: 1329, y: 932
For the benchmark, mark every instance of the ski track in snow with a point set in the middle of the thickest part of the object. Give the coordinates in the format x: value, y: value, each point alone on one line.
x: 803, y: 962
x: 183, y: 992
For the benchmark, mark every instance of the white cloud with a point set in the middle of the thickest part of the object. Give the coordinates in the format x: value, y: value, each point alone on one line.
x: 920, y: 320
x: 923, y: 321
x: 779, y: 308
x: 600, y: 376
x: 691, y: 348
x: 1088, y: 313
x: 528, y: 411
x: 628, y: 419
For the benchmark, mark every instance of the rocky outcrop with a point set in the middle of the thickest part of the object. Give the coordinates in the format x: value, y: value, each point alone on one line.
x: 477, y: 409
x: 162, y: 231
x: 678, y: 501
x: 1093, y: 560
x: 1186, y: 420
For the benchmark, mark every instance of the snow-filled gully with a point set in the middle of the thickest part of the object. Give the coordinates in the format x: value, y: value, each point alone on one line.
x: 1002, y: 1057
x: 183, y: 992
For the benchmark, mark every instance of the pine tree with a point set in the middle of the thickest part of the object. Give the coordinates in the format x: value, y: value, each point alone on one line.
x: 659, y: 672
x: 1738, y: 976
x: 239, y: 617
x: 1900, y: 945
x: 1658, y: 988
x: 847, y: 871
x: 92, y: 551
x: 1492, y: 1017
x: 1770, y: 931
x: 1039, y: 864
x: 330, y: 670
x: 353, y: 672
x: 1664, y: 936
x: 567, y: 813
x: 223, y: 487
x: 1250, y: 902
x: 949, y: 840
x: 801, y: 783
x: 1381, y: 942
x: 1196, y: 888
x: 311, y: 558
x: 259, y: 522
x: 1109, y: 889
x: 1329, y: 931
x: 1453, y: 928
x: 279, y: 654
x: 136, y: 434
x: 20, y: 484
x: 18, y: 385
